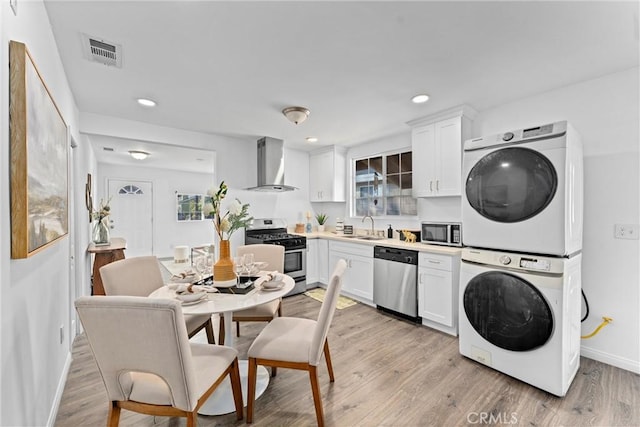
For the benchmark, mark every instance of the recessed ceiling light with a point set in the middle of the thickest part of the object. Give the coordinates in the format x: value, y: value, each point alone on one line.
x: 312, y: 139
x: 147, y: 102
x: 138, y: 154
x: 420, y: 99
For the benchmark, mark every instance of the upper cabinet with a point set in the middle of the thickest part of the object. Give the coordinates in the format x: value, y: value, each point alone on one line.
x: 327, y: 175
x: 437, y: 149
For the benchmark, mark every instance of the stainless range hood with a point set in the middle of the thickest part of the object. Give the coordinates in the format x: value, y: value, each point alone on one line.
x: 271, y: 166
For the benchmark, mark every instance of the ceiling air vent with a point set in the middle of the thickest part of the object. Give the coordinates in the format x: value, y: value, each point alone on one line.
x: 102, y: 51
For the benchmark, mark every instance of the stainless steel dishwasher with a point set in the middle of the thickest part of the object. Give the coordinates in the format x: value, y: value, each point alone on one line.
x: 395, y: 281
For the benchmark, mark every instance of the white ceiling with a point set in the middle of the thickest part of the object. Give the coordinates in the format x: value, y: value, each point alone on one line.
x: 231, y: 67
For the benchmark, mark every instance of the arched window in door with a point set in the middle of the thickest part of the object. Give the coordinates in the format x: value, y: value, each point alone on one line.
x: 130, y: 189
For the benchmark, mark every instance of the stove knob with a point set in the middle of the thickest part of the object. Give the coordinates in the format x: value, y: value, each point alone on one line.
x: 505, y: 260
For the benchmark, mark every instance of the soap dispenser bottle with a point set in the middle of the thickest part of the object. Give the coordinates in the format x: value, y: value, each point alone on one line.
x: 390, y: 232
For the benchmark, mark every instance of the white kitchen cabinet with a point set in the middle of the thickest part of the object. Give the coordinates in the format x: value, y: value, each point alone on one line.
x: 357, y: 281
x: 327, y: 175
x: 323, y: 261
x: 436, y: 143
x: 312, y: 261
x: 317, y: 261
x: 438, y: 277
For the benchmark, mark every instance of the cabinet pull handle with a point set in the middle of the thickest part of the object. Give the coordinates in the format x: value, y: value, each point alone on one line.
x: 430, y: 185
x: 437, y: 185
x: 434, y: 262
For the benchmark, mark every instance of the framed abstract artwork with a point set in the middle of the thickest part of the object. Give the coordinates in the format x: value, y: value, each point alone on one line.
x: 38, y: 157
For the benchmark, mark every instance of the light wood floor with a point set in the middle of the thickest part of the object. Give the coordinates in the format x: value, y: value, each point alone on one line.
x: 388, y: 373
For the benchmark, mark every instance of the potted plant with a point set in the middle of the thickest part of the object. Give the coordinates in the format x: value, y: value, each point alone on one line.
x: 321, y: 218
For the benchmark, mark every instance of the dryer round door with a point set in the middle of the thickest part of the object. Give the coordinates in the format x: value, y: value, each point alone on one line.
x: 511, y: 184
x: 508, y: 311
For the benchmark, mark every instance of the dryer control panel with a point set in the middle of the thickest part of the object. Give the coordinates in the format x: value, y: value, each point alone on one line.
x: 535, y: 264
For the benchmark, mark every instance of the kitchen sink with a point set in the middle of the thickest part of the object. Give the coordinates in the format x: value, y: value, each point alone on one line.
x: 354, y: 236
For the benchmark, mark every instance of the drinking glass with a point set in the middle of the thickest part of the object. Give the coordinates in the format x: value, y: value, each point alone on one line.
x: 248, y: 263
x: 201, y: 265
x: 238, y: 265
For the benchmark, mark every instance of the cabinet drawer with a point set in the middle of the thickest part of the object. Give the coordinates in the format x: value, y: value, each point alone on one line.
x: 351, y: 248
x: 435, y: 261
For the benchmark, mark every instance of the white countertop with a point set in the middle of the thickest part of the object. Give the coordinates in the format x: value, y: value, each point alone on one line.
x: 394, y: 243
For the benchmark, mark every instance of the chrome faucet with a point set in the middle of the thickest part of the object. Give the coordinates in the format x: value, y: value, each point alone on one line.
x: 371, y: 218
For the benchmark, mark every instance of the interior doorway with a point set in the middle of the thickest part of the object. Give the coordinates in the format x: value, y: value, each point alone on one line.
x: 131, y: 215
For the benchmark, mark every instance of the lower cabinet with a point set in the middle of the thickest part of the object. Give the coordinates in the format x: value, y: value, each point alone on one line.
x: 438, y: 277
x: 357, y: 281
x: 318, y: 261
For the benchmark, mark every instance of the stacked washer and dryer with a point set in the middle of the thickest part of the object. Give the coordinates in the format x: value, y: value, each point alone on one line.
x: 520, y: 274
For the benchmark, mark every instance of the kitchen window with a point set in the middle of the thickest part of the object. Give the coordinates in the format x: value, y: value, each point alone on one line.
x: 382, y: 185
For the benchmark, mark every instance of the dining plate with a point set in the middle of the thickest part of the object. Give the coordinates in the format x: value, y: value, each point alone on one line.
x: 273, y: 286
x: 198, y: 301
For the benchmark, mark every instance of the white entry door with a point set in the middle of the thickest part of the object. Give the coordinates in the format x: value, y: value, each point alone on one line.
x: 132, y: 215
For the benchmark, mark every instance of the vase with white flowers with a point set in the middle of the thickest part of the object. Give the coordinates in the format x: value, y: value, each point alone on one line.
x: 100, y: 232
x: 236, y: 217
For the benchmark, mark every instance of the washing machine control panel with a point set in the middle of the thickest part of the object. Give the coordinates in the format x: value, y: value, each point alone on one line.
x: 535, y: 264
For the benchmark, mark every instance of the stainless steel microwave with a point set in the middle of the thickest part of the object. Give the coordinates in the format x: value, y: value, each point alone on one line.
x: 441, y: 233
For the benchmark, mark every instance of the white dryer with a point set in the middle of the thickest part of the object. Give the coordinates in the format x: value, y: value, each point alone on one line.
x: 520, y: 314
x: 523, y: 191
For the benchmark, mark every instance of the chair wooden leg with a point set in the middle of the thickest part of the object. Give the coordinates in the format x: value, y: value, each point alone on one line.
x: 327, y: 357
x: 221, y: 331
x: 274, y: 371
x: 238, y: 329
x: 211, y: 338
x: 192, y: 419
x: 114, y: 415
x: 236, y: 387
x: 251, y: 388
x: 280, y: 308
x: 317, y: 400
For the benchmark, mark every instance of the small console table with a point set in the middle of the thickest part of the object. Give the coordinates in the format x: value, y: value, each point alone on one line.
x: 105, y: 254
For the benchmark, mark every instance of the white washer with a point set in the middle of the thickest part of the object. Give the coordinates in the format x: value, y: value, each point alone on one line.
x: 523, y: 191
x: 520, y: 314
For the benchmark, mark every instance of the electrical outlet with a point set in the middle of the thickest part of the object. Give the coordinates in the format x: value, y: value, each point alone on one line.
x: 627, y: 231
x: 61, y: 334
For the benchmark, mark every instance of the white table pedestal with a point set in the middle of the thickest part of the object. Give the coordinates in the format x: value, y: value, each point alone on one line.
x: 221, y: 401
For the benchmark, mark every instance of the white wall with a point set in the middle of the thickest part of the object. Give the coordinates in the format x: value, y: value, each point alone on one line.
x: 605, y: 111
x: 34, y: 292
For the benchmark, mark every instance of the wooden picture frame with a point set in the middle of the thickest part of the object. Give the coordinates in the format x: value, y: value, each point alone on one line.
x: 38, y: 157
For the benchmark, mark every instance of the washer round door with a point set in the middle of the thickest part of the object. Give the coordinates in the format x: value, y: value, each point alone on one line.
x: 511, y: 184
x: 508, y: 311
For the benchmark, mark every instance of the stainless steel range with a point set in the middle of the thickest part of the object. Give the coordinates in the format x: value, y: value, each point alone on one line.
x: 274, y: 231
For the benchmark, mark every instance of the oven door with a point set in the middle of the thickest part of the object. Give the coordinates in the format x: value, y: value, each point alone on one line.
x: 295, y: 263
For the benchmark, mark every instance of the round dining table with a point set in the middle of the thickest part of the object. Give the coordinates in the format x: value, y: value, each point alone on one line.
x: 221, y: 401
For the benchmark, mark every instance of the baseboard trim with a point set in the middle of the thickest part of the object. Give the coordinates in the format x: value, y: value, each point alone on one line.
x: 610, y: 359
x: 58, y: 397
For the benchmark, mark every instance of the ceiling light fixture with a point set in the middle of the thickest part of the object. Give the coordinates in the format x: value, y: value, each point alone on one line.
x: 420, y: 99
x: 296, y: 114
x: 312, y: 139
x: 138, y: 154
x: 147, y: 102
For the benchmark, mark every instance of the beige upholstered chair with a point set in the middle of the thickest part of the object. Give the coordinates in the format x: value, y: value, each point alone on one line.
x: 297, y: 343
x: 139, y: 276
x: 146, y: 361
x: 273, y: 255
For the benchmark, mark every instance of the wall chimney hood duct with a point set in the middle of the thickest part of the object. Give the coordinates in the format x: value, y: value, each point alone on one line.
x: 271, y: 166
